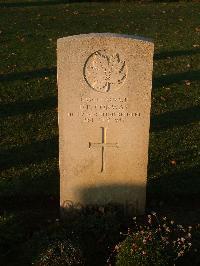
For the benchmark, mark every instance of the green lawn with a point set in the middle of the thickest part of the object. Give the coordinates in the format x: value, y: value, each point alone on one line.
x: 29, y: 182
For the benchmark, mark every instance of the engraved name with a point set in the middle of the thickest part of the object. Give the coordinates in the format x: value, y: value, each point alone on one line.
x: 104, y: 109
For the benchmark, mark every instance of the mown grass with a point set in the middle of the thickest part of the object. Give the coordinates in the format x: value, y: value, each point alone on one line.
x: 29, y: 183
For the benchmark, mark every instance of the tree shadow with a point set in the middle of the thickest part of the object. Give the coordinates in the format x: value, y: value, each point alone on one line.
x: 167, y: 54
x: 175, y: 118
x: 103, y: 212
x: 46, y: 3
x: 38, y: 73
x: 31, y: 153
x: 176, y: 78
x: 128, y: 199
x: 22, y: 201
x: 34, y: 3
x: 178, y: 188
x: 21, y: 225
x: 31, y: 106
x: 157, y: 81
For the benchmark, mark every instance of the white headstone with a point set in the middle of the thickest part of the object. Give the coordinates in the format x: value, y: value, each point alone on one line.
x: 104, y: 99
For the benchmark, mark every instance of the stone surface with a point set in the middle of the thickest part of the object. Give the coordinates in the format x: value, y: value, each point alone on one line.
x: 104, y: 99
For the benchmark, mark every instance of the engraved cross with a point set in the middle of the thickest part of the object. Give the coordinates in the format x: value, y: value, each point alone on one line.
x: 103, y: 145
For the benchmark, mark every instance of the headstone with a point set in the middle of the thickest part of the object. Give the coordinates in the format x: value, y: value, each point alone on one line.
x: 104, y: 99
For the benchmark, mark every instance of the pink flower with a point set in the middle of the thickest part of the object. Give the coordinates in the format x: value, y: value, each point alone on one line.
x: 181, y: 253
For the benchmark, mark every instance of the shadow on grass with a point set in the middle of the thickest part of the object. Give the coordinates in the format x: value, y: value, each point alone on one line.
x: 38, y: 73
x: 181, y: 187
x: 34, y: 3
x: 168, y: 54
x: 158, y: 122
x: 102, y: 213
x: 18, y: 228
x: 91, y: 229
x: 30, y: 153
x: 46, y: 3
x: 97, y: 227
x: 175, y: 78
x: 31, y: 106
x: 22, y: 201
x: 175, y: 118
x: 157, y: 81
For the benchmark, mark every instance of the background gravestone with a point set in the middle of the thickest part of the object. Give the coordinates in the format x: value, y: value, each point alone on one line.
x: 104, y: 99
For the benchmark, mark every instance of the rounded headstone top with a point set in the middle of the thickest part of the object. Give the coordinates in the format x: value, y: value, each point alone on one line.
x: 108, y: 35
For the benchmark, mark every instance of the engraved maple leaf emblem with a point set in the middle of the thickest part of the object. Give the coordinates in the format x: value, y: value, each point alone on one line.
x: 104, y: 71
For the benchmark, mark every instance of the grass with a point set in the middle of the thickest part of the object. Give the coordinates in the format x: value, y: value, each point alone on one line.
x: 29, y: 183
